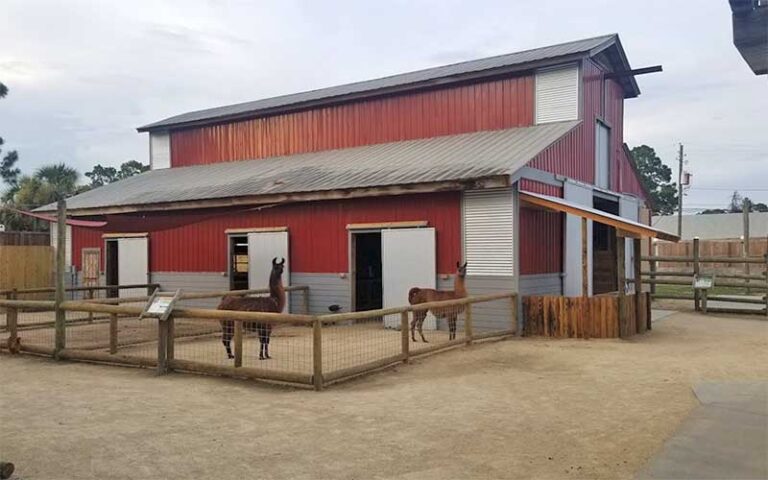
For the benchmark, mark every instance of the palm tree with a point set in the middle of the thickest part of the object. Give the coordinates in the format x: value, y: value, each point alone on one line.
x: 60, y: 178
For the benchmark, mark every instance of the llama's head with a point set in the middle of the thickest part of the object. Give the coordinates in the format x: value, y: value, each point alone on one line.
x: 277, y: 268
x: 461, y: 270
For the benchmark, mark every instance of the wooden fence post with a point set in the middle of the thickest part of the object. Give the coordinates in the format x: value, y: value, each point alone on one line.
x: 89, y: 296
x: 621, y: 275
x: 696, y: 271
x: 513, y: 314
x: 238, y: 344
x: 60, y: 341
x: 171, y: 350
x: 162, y: 347
x: 317, y: 354
x: 468, y: 324
x: 306, y: 301
x: 765, y: 292
x: 653, y: 265
x: 404, y: 339
x: 113, y: 333
x: 12, y: 319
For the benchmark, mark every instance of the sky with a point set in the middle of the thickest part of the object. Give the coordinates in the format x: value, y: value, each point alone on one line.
x: 84, y: 74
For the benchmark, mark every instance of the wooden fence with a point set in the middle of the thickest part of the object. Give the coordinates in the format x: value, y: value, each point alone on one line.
x: 25, y: 238
x: 729, y: 248
x: 319, y: 350
x: 602, y: 316
x: 24, y: 267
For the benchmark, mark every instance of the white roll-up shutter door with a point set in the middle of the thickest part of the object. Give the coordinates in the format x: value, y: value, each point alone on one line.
x: 557, y: 94
x: 262, y: 248
x: 159, y: 150
x: 489, y: 231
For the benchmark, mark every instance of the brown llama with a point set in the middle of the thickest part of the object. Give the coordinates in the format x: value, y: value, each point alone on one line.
x: 423, y: 295
x: 274, y: 303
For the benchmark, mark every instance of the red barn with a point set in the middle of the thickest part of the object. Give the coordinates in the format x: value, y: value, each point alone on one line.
x: 369, y: 188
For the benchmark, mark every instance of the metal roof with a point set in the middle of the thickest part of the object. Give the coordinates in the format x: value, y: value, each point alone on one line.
x: 463, y: 157
x: 422, y: 78
x: 715, y: 226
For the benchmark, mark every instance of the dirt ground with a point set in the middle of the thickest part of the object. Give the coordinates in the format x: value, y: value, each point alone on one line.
x: 520, y: 408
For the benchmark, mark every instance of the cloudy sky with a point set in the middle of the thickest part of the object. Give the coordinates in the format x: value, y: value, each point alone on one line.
x: 84, y: 74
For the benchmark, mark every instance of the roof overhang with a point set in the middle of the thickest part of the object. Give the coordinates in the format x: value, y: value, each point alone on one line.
x: 624, y: 227
x: 750, y: 33
x: 497, y: 181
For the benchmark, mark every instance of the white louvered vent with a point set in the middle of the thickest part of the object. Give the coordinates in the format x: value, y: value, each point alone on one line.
x: 489, y: 232
x: 159, y: 150
x: 557, y: 94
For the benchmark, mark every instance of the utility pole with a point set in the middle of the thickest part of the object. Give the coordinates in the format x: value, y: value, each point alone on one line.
x: 745, y: 208
x: 680, y: 193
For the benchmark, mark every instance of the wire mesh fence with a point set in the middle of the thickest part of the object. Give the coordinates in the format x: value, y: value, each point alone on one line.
x: 285, y: 347
x: 34, y: 327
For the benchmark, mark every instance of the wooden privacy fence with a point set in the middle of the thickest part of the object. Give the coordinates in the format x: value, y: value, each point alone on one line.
x: 306, y: 350
x: 603, y: 316
x: 28, y: 266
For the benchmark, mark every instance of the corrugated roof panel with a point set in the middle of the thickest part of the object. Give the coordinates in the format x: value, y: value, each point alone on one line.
x: 449, y: 158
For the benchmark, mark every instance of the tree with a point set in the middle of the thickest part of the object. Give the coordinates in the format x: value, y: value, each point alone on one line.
x: 736, y: 205
x: 9, y: 173
x: 101, y: 175
x: 657, y: 179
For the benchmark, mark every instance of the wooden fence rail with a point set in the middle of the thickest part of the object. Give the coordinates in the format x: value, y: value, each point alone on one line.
x: 165, y: 359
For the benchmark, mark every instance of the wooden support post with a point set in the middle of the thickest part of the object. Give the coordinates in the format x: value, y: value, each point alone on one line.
x: 238, y: 344
x: 648, y: 312
x: 306, y: 301
x: 60, y: 341
x: 704, y: 300
x: 404, y: 338
x: 89, y: 296
x: 113, y: 333
x: 468, y: 324
x: 584, y: 259
x: 162, y: 347
x: 12, y: 319
x: 696, y: 271
x: 636, y: 246
x: 317, y: 354
x: 621, y: 277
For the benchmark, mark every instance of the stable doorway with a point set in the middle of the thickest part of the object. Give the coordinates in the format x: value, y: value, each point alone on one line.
x: 368, y: 278
x: 127, y: 263
x: 604, y: 272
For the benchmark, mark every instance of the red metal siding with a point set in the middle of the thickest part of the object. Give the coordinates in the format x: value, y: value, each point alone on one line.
x: 318, y: 235
x: 85, y: 238
x: 498, y: 104
x: 541, y: 233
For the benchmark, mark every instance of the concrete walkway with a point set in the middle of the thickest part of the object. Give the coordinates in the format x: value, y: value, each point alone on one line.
x: 726, y: 437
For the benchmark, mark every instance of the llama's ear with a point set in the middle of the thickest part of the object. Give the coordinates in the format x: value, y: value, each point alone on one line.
x: 274, y: 261
x: 458, y: 264
x: 465, y: 265
x: 282, y: 262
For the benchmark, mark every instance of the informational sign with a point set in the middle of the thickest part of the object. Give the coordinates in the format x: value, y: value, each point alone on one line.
x: 160, y: 305
x: 703, y: 281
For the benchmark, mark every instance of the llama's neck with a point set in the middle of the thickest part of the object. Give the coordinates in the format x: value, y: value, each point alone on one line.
x: 277, y: 291
x: 459, y: 286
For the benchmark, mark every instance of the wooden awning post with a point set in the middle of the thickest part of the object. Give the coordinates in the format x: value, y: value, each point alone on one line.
x: 621, y: 273
x: 584, y: 259
x: 637, y: 247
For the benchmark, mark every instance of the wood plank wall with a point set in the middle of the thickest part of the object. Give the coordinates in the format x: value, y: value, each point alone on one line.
x: 584, y: 317
x: 26, y: 266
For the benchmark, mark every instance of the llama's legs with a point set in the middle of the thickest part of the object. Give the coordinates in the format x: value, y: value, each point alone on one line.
x: 227, y: 332
x: 418, y: 319
x: 421, y: 325
x: 452, y: 327
x: 264, y: 334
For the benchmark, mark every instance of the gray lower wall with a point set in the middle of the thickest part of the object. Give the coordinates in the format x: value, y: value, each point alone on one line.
x: 486, y: 316
x: 192, y: 282
x: 325, y: 289
x: 543, y: 284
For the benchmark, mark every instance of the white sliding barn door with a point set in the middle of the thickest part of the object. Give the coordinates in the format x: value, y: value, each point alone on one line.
x: 572, y: 284
x: 133, y: 264
x: 629, y: 208
x: 407, y: 260
x: 262, y: 248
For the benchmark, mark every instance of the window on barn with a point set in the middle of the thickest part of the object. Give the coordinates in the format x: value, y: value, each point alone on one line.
x: 557, y: 94
x: 602, y: 155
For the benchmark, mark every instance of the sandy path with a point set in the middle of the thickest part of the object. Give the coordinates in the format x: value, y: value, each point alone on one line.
x: 528, y: 408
